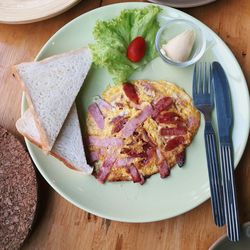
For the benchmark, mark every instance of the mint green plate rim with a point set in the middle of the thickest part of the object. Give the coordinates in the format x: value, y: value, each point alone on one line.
x: 127, y: 217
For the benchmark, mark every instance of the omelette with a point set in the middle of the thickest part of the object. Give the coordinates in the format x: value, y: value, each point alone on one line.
x: 138, y: 129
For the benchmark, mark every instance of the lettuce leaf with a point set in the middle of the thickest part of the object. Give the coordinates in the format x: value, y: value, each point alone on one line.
x: 113, y: 37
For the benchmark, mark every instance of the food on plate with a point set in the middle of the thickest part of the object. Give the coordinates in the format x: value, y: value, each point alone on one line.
x: 145, y: 128
x: 179, y: 48
x: 51, y: 120
x: 136, y: 49
x: 114, y: 39
x: 51, y: 87
x: 68, y: 146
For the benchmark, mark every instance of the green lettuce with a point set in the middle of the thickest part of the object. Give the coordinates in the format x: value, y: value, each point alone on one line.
x: 113, y: 37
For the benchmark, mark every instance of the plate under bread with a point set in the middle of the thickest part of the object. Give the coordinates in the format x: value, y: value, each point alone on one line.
x: 157, y: 199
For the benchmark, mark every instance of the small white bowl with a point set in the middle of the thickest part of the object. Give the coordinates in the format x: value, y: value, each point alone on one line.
x: 175, y: 27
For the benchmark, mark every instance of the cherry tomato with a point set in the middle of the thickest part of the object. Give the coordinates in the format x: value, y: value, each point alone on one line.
x: 136, y: 49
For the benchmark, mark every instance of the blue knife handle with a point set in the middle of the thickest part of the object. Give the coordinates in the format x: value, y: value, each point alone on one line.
x: 230, y: 199
x: 214, y: 175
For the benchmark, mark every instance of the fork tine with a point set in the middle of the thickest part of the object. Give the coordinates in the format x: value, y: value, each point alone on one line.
x: 195, y: 80
x: 200, y: 80
x: 211, y: 85
x: 205, y: 79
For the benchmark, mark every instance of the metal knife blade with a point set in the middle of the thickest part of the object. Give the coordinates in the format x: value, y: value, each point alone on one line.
x: 223, y: 102
x: 225, y: 122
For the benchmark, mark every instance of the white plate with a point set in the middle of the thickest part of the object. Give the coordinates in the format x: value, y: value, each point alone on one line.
x: 182, y: 3
x: 158, y: 198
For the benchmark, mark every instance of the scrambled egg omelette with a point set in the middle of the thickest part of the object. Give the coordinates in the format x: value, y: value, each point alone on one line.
x: 138, y: 129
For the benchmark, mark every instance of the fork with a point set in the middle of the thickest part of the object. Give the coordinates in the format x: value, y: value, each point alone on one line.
x: 203, y: 100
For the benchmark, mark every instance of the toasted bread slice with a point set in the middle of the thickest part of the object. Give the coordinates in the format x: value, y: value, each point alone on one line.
x: 51, y: 86
x: 68, y: 146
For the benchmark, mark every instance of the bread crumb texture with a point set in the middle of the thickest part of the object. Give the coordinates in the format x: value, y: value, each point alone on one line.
x: 18, y: 192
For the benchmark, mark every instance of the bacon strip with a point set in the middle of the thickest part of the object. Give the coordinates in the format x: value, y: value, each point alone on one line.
x: 168, y: 117
x: 159, y: 155
x: 193, y: 122
x: 103, y: 104
x: 147, y: 139
x: 175, y: 142
x: 163, y: 104
x: 149, y: 147
x: 130, y: 92
x: 136, y: 106
x: 149, y: 155
x: 94, y: 156
x: 105, y: 169
x: 148, y: 87
x: 180, y: 158
x: 136, y: 176
x: 119, y: 123
x: 116, y: 119
x: 133, y: 123
x: 173, y: 131
x: 132, y: 153
x: 164, y: 169
x: 105, y: 142
x: 95, y: 112
x: 124, y: 162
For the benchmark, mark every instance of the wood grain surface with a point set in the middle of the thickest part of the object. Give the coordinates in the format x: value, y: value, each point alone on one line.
x: 61, y: 225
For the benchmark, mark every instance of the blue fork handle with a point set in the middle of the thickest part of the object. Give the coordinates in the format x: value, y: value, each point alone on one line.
x: 230, y: 199
x: 214, y: 175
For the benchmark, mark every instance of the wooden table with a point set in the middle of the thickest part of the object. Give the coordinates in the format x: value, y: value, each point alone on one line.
x: 61, y: 225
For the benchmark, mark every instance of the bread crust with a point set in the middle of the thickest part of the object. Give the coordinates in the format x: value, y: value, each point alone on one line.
x: 51, y: 152
x: 46, y: 147
x: 44, y: 141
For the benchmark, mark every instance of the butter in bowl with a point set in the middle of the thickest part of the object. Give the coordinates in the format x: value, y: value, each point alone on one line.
x: 180, y: 42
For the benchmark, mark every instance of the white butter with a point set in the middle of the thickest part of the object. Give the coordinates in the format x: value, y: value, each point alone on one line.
x: 179, y: 48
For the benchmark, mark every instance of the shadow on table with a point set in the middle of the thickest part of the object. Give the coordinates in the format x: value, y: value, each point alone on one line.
x: 242, y: 185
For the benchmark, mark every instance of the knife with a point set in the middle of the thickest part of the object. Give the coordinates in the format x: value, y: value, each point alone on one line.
x: 225, y: 124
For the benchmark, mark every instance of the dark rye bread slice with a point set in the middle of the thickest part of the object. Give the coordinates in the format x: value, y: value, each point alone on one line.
x: 18, y: 192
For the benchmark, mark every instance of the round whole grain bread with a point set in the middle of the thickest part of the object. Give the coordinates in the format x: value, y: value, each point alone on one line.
x: 18, y: 192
